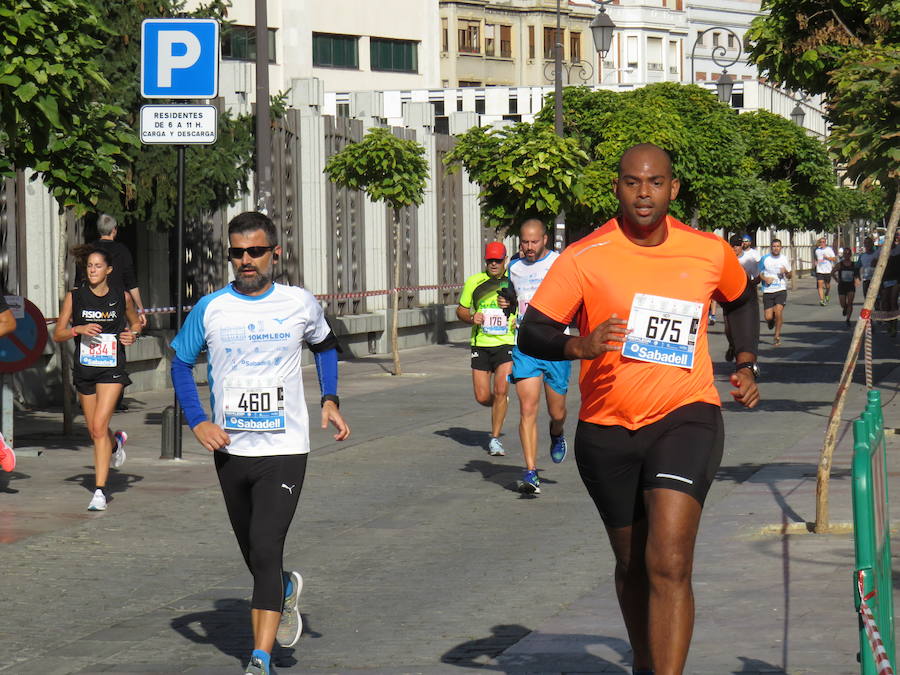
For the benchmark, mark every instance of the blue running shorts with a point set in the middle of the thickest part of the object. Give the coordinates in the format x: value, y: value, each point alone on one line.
x: 556, y: 373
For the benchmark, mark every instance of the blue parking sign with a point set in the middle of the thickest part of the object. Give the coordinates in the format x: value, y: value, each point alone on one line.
x: 179, y: 58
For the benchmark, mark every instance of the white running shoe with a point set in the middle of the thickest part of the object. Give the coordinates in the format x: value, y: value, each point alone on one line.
x: 118, y: 457
x: 98, y: 501
x: 291, y: 626
x: 495, y: 447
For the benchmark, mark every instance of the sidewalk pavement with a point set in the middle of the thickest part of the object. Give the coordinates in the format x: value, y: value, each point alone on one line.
x: 771, y: 597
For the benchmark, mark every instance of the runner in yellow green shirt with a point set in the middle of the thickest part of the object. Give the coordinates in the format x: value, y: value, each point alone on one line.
x: 493, y: 337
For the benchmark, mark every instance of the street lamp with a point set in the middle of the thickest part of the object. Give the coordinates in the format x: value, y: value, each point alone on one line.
x: 725, y: 83
x: 798, y: 115
x: 602, y: 29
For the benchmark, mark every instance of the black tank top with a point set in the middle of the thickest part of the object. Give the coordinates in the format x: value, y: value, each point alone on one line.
x: 108, y: 311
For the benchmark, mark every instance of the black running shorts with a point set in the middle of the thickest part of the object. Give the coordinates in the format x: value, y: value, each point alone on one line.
x: 86, y: 383
x: 776, y: 298
x: 682, y: 452
x: 491, y: 358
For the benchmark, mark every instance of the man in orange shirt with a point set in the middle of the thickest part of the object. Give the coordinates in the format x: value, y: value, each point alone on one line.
x: 650, y: 436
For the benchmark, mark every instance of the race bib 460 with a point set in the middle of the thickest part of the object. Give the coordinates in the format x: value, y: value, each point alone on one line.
x: 254, y: 404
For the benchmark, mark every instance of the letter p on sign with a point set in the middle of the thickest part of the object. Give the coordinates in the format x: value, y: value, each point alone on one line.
x: 179, y: 58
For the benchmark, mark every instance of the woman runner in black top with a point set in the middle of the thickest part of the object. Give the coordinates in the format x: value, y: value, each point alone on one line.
x: 846, y: 273
x: 103, y: 319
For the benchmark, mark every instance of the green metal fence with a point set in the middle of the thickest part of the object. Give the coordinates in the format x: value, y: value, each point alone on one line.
x: 872, y: 531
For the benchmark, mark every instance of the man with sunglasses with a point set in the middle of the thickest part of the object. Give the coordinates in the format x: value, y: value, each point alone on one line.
x: 253, y: 331
x: 493, y: 337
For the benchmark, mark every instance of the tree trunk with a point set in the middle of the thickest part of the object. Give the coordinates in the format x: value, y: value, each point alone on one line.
x: 395, y: 295
x: 65, y: 366
x: 834, y: 420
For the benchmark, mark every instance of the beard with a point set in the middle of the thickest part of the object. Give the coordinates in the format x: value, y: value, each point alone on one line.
x: 246, y: 285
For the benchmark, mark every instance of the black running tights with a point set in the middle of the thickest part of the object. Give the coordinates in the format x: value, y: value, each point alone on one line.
x: 261, y: 495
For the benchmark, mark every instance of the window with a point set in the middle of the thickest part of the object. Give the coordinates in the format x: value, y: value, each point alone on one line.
x: 468, y: 83
x: 673, y: 57
x: 239, y: 43
x: 489, y: 40
x: 575, y: 47
x: 631, y: 49
x: 396, y: 55
x: 730, y: 41
x: 445, y: 36
x: 335, y: 51
x: 506, y: 42
x: 531, y: 48
x: 550, y: 42
x: 715, y: 39
x: 468, y: 36
x: 654, y: 54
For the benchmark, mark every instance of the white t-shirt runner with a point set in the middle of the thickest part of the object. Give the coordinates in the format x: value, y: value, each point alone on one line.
x: 772, y: 270
x: 823, y: 265
x: 254, y: 345
x: 526, y: 277
x: 749, y: 260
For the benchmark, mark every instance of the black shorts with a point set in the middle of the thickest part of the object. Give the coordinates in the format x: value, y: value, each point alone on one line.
x: 86, y: 383
x: 491, y: 358
x: 845, y: 287
x: 682, y: 452
x: 776, y: 298
x: 823, y: 276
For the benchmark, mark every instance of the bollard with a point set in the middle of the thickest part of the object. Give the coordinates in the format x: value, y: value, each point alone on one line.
x: 167, y: 443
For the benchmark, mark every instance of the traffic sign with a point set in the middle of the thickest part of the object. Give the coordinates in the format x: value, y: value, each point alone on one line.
x: 179, y: 58
x: 21, y: 348
x: 178, y: 124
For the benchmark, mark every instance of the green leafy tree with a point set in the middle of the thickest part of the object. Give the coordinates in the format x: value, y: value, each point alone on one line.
x: 524, y: 171
x: 850, y: 52
x: 51, y: 120
x: 390, y: 170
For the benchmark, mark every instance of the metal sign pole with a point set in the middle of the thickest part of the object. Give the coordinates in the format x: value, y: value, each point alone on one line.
x: 179, y: 291
x: 7, y: 407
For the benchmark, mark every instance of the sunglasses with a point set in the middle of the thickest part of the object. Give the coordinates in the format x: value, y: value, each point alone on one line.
x: 254, y: 251
x: 494, y: 261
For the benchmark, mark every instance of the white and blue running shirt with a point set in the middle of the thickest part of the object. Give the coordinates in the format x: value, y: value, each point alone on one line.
x: 526, y: 277
x: 254, y: 345
x: 772, y: 269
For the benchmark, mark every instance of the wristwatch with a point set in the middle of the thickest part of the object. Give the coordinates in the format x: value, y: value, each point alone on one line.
x: 749, y: 365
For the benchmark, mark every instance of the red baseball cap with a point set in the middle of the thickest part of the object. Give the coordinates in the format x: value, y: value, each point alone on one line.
x: 494, y: 251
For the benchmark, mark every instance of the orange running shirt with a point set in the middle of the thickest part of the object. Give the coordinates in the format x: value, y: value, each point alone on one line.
x: 600, y: 276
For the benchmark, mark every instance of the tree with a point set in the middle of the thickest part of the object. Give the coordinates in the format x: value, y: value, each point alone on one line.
x: 524, y: 171
x: 700, y: 133
x: 391, y: 170
x: 51, y: 120
x: 850, y: 53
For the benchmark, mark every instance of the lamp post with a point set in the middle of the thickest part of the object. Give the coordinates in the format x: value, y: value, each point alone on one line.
x: 798, y: 115
x: 602, y: 29
x: 725, y: 83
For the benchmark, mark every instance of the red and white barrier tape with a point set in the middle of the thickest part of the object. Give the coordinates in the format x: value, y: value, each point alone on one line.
x: 868, y: 364
x: 879, y: 653
x: 324, y: 296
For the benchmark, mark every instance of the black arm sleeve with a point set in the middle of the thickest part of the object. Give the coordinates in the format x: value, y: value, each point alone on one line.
x: 742, y: 314
x: 330, y: 342
x: 542, y: 337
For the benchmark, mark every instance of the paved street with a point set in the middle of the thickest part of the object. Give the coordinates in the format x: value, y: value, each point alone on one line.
x: 418, y: 555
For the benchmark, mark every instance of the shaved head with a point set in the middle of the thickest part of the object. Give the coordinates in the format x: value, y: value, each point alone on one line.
x: 645, y: 150
x: 533, y: 239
